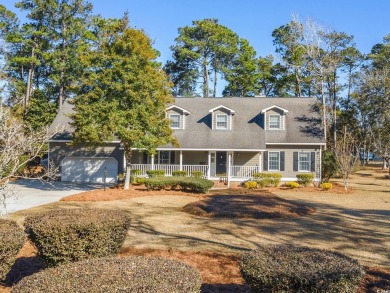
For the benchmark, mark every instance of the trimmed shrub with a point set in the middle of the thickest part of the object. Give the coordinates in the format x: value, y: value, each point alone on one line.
x: 135, y: 172
x: 291, y: 184
x: 326, y: 186
x: 285, y: 268
x: 139, y: 180
x: 12, y: 239
x: 71, y: 235
x: 305, y: 179
x: 131, y: 274
x: 155, y: 173
x: 179, y: 173
x: 251, y: 184
x: 185, y: 183
x: 197, y: 174
x: 267, y: 179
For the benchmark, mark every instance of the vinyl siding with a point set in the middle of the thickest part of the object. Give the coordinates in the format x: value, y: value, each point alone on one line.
x: 246, y: 158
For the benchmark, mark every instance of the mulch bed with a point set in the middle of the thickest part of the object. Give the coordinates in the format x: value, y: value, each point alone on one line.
x: 220, y: 272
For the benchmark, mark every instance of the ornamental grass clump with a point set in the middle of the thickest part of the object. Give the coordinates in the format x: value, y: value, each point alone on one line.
x: 12, y: 238
x: 305, y: 179
x: 130, y: 274
x: 285, y: 268
x: 71, y: 235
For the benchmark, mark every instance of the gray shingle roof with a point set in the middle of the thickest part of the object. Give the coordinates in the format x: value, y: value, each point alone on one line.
x: 303, y: 123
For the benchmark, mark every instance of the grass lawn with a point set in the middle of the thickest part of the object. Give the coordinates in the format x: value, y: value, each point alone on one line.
x: 355, y: 223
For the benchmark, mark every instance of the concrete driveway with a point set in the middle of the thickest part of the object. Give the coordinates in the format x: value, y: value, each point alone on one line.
x: 31, y: 193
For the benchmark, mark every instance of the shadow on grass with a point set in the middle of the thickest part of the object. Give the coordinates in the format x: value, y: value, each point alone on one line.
x: 224, y: 288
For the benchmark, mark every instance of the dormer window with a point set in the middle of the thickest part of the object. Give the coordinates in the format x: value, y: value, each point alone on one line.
x: 175, y: 121
x: 222, y: 121
x: 274, y: 122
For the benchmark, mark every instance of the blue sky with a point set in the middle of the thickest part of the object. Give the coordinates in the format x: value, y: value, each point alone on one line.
x: 368, y: 21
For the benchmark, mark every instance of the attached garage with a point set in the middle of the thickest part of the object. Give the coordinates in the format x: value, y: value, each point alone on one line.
x: 89, y: 169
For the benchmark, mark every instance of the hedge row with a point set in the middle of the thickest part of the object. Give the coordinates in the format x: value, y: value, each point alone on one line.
x: 132, y: 274
x: 185, y: 183
x: 71, y: 235
x: 12, y: 238
x: 267, y: 179
x: 285, y: 268
x: 155, y: 173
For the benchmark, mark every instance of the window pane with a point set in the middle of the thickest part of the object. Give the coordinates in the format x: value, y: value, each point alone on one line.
x: 304, y: 162
x: 221, y: 121
x: 273, y: 161
x: 274, y: 121
x: 175, y: 121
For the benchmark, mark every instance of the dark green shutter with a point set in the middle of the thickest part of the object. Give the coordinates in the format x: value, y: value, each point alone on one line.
x: 281, y: 161
x: 172, y: 161
x: 295, y: 162
x: 265, y: 161
x: 313, y: 161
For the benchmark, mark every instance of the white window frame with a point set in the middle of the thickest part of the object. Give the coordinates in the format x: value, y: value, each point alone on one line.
x: 269, y: 161
x: 216, y: 121
x: 280, y: 122
x: 308, y: 162
x: 174, y: 127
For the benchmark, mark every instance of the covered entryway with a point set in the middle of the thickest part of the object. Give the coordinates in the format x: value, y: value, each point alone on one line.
x: 88, y: 169
x: 221, y: 163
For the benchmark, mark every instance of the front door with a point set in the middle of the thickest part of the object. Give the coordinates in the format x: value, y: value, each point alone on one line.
x: 221, y: 163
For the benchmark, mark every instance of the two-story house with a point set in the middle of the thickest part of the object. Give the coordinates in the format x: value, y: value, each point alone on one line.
x: 229, y: 137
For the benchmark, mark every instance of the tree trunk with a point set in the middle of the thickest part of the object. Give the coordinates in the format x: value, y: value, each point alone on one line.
x: 334, y: 109
x: 62, y: 69
x: 29, y: 82
x: 128, y: 169
x: 215, y: 82
x: 297, y: 84
x: 324, y: 113
x: 205, y: 79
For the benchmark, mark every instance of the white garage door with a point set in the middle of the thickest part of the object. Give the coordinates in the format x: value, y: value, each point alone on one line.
x: 79, y: 169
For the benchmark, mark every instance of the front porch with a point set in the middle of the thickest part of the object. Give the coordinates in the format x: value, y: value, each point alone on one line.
x: 237, y: 166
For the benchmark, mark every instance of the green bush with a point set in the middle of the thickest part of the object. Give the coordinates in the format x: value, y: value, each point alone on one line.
x: 267, y: 179
x: 139, y: 180
x: 251, y: 184
x: 185, y: 183
x: 305, y: 179
x: 197, y: 174
x: 326, y: 186
x: 130, y: 274
x: 72, y: 235
x: 155, y: 173
x: 179, y: 173
x: 135, y: 172
x: 12, y: 238
x: 291, y: 184
x: 285, y: 268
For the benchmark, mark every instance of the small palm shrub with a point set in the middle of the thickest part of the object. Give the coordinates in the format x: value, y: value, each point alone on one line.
x: 291, y: 184
x: 179, y: 173
x: 71, y: 235
x: 326, y: 186
x: 155, y: 173
x: 267, y: 179
x: 251, y: 184
x: 285, y: 268
x: 197, y: 174
x: 12, y: 238
x: 305, y: 179
x: 131, y: 274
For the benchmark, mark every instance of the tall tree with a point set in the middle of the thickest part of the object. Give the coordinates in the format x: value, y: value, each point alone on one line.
x: 123, y: 94
x: 207, y: 47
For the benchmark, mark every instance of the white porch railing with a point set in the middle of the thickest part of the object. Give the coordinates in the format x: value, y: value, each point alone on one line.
x: 243, y: 171
x: 169, y: 168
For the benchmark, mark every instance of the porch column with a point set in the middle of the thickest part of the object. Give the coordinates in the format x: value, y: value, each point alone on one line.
x: 181, y: 161
x: 208, y: 165
x: 152, y: 161
x: 228, y: 170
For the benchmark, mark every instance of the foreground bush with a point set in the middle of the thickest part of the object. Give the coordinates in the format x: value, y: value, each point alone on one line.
x: 197, y: 174
x: 305, y: 179
x: 267, y: 179
x: 250, y: 184
x: 179, y: 173
x: 11, y: 241
x: 291, y: 184
x: 326, y: 186
x: 132, y: 274
x: 285, y: 268
x: 155, y: 173
x: 185, y: 183
x: 72, y: 235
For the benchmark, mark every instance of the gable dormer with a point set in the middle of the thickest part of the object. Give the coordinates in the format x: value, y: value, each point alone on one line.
x: 274, y: 118
x: 177, y: 116
x: 221, y: 118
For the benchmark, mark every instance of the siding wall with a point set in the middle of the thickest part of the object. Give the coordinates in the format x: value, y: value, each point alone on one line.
x: 222, y: 112
x: 289, y: 153
x: 246, y: 158
x: 60, y: 150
